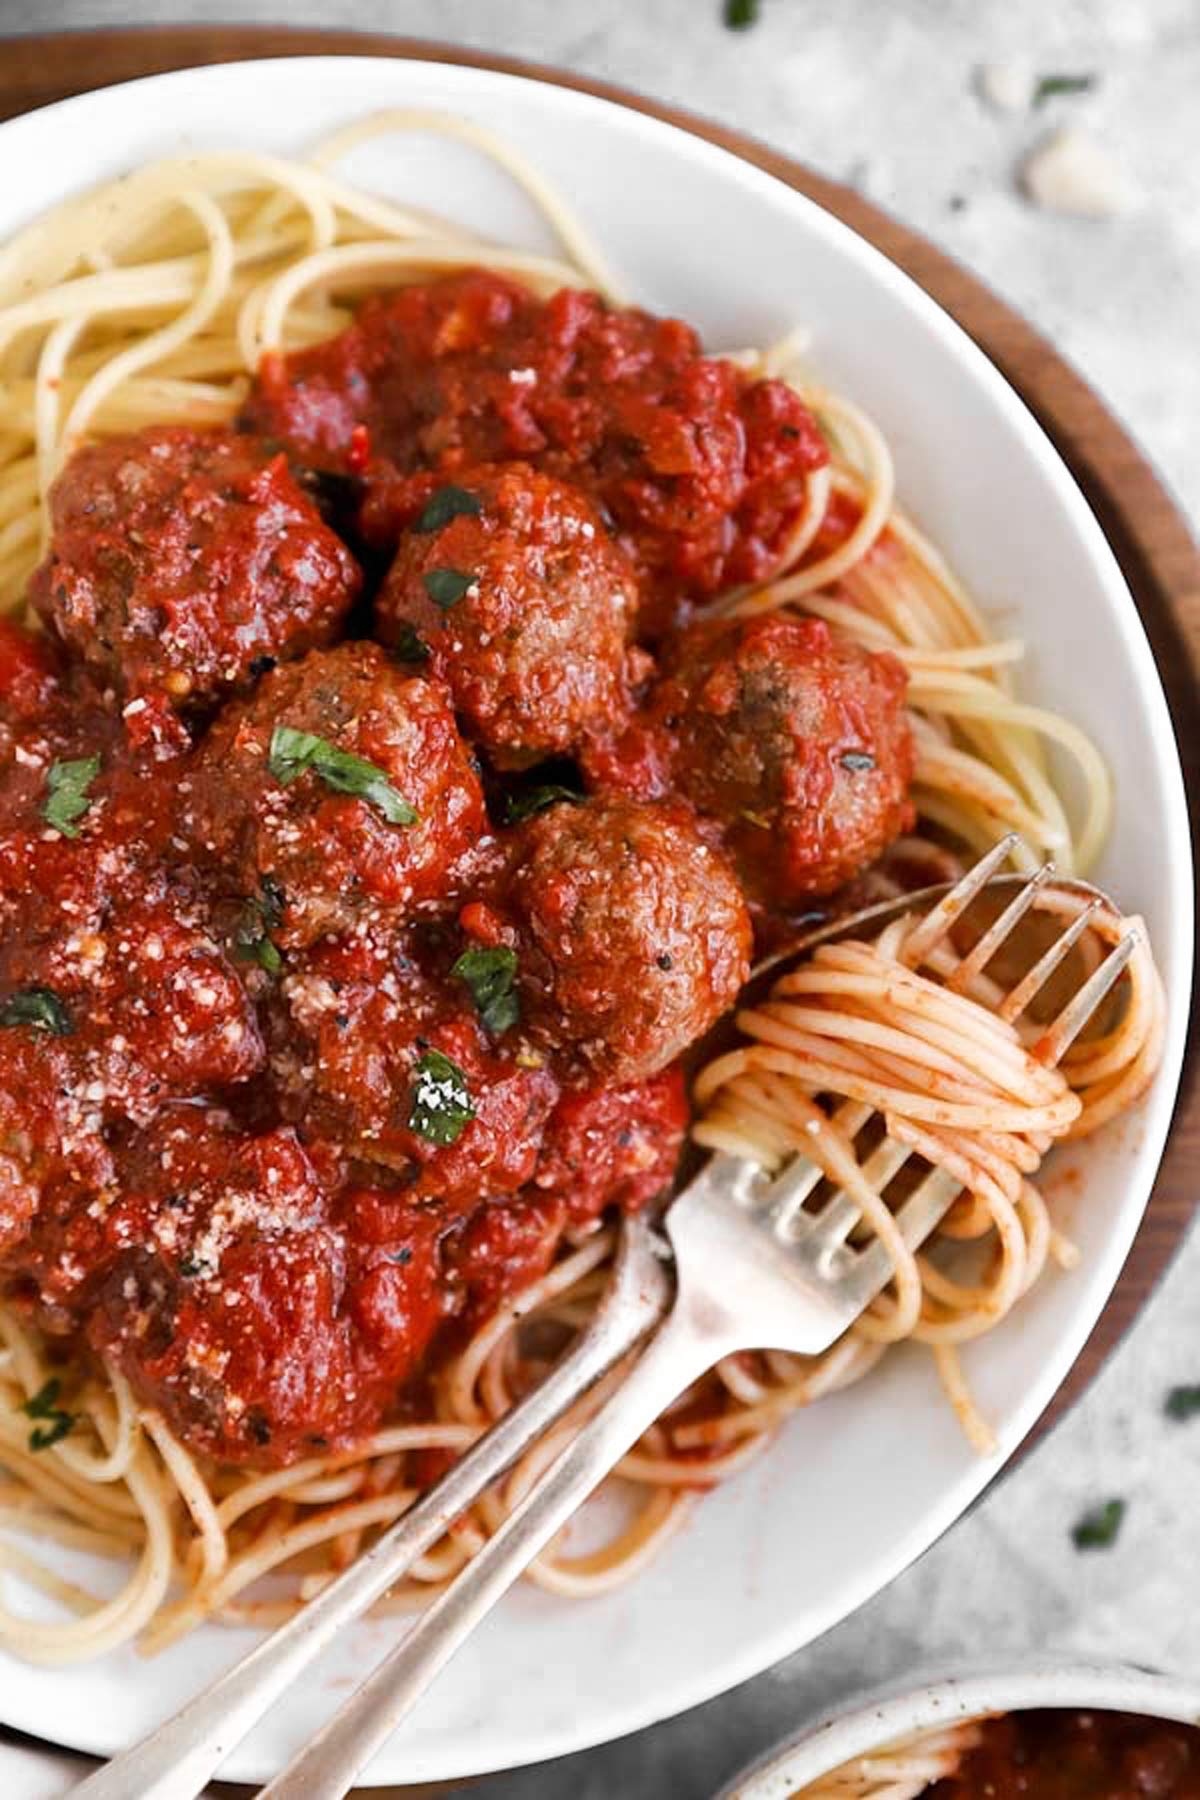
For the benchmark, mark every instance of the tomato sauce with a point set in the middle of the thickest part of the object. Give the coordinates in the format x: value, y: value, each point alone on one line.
x: 349, y: 955
x: 1078, y: 1756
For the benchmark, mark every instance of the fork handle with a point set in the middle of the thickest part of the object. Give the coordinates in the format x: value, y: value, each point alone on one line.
x: 176, y: 1761
x: 327, y: 1767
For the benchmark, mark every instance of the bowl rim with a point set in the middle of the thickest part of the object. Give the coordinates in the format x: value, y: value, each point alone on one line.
x: 897, y: 1709
x: 968, y: 364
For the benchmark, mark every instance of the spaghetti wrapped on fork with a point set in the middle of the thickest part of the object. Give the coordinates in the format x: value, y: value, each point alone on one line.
x: 924, y: 1053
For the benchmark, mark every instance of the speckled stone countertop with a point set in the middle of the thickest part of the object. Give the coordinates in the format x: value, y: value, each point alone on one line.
x: 882, y: 93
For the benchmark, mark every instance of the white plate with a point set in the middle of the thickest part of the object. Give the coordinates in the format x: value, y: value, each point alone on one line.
x: 866, y: 1481
x: 882, y: 1718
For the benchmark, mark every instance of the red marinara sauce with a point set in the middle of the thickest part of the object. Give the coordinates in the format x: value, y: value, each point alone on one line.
x: 702, y: 470
x: 349, y: 955
x: 1078, y: 1756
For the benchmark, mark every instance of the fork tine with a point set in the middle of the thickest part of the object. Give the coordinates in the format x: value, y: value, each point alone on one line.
x: 1075, y: 1014
x: 1032, y: 984
x: 787, y: 1193
x: 838, y: 1219
x: 977, y: 959
x: 917, y: 1219
x: 940, y: 918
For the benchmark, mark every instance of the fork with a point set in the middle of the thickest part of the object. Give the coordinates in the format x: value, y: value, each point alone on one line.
x: 753, y: 1269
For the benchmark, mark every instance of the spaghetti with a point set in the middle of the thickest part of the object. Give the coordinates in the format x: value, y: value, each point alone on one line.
x: 156, y: 297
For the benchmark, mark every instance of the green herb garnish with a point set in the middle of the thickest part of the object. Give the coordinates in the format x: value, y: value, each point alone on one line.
x: 292, y: 752
x: 1182, y: 1403
x: 272, y: 904
x: 67, y: 785
x: 262, y: 916
x: 38, y: 1007
x: 259, y: 950
x: 448, y: 503
x: 1097, y: 1530
x: 490, y: 975
x: 536, y: 800
x: 740, y: 15
x: 1050, y: 86
x: 441, y: 1106
x: 42, y: 1405
x: 410, y: 646
x: 446, y: 587
x: 856, y: 759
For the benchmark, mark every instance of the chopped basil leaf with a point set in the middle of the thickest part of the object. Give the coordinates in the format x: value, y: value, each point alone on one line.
x: 190, y: 1266
x: 441, y: 1106
x: 536, y: 800
x: 448, y: 503
x: 446, y: 587
x: 259, y: 950
x: 271, y: 906
x: 42, y: 1405
x: 38, y: 1007
x: 66, y: 799
x: 856, y: 759
x: 1182, y: 1403
x: 490, y: 975
x: 401, y: 1257
x: 1049, y: 86
x: 292, y: 752
x: 410, y: 646
x: 262, y: 916
x: 1097, y: 1530
x: 741, y: 14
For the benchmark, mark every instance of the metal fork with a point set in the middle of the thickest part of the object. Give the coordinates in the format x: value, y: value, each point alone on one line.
x: 754, y: 1269
x: 799, y: 1285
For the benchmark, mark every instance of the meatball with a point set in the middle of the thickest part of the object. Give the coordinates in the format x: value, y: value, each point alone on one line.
x: 114, y: 998
x: 268, y: 1313
x: 182, y: 559
x: 613, y: 1146
x: 794, y: 741
x: 703, y: 469
x: 372, y: 1044
x: 340, y: 791
x: 797, y: 741
x: 525, y: 605
x: 632, y: 934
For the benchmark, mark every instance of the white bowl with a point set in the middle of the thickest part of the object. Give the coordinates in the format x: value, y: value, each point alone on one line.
x: 888, y: 1715
x: 811, y: 1531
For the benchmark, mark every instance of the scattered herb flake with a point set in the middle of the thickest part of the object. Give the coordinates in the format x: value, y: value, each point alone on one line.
x: 740, y: 15
x: 43, y: 1405
x: 441, y: 1103
x: 856, y: 760
x: 263, y: 915
x: 38, y: 1007
x: 1049, y: 87
x: 292, y: 752
x: 410, y: 646
x: 536, y: 800
x: 273, y: 902
x: 448, y: 503
x: 67, y: 785
x: 446, y: 587
x: 401, y: 1257
x: 1182, y: 1403
x: 490, y: 975
x: 262, y: 951
x: 1097, y: 1530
